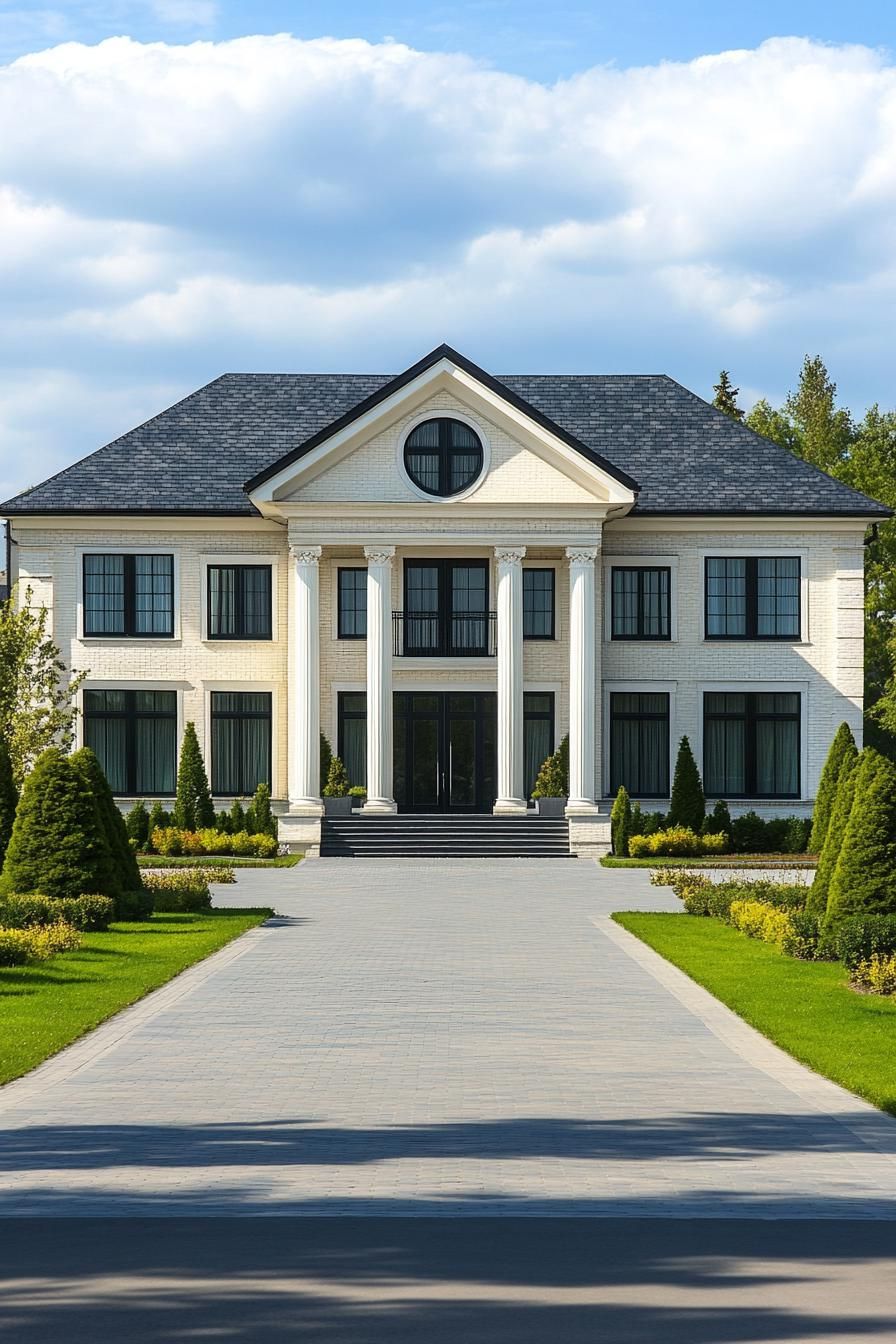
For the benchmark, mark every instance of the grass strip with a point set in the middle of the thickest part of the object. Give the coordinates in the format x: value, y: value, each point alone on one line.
x: 719, y: 861
x: 215, y: 861
x: 48, y: 1005
x: 806, y: 1007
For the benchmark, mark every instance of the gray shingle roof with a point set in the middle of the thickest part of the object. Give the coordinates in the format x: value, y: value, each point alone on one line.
x: 686, y: 457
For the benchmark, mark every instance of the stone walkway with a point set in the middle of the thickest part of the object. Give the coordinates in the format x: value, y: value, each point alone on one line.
x: 457, y: 1038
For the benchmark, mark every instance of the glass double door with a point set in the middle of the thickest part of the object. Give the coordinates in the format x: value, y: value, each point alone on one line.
x: 445, y: 751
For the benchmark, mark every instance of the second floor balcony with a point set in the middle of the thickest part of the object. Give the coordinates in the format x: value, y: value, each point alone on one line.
x: 432, y: 634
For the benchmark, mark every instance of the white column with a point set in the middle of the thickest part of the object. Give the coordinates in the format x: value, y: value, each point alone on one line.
x: 304, y: 698
x: 379, y: 679
x: 582, y: 687
x: 510, y: 680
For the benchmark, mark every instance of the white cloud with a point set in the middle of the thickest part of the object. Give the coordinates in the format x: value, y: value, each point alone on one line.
x: 268, y: 201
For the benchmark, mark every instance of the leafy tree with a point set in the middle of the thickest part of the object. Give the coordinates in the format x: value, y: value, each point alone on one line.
x: 842, y: 754
x: 338, y: 782
x: 58, y: 845
x: 817, y: 899
x: 137, y: 823
x: 326, y: 756
x: 621, y: 822
x: 824, y: 430
x: 9, y: 798
x: 864, y: 880
x: 771, y: 424
x: 687, y: 804
x: 726, y: 394
x: 37, y: 693
x: 113, y: 823
x: 193, y: 807
x: 265, y: 821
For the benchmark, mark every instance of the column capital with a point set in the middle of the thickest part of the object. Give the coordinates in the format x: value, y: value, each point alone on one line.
x: 305, y: 555
x: 379, y: 555
x: 582, y: 555
x: 509, y: 555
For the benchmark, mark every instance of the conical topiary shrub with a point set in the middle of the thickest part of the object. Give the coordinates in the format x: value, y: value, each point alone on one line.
x: 817, y: 899
x: 193, y: 808
x: 688, y: 805
x: 326, y: 756
x: 621, y: 822
x: 265, y: 821
x: 864, y: 881
x: 86, y: 762
x: 843, y: 752
x: 237, y: 817
x: 58, y: 845
x: 137, y: 823
x: 9, y: 798
x: 550, y: 782
x: 158, y: 819
x: 338, y: 782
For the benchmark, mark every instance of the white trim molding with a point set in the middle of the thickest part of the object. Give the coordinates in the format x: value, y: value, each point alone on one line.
x: 734, y: 550
x: 669, y: 688
x: 634, y: 560
x: 801, y: 688
x: 128, y: 641
x: 239, y: 558
x: 436, y: 413
x: 267, y: 687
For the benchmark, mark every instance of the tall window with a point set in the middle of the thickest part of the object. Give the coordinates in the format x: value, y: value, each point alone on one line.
x: 239, y: 601
x: 753, y: 597
x: 751, y: 744
x: 639, y: 743
x: 640, y: 602
x: 130, y: 595
x: 538, y: 604
x: 443, y: 456
x: 352, y: 740
x: 446, y: 608
x: 241, y: 741
x: 538, y: 732
x: 134, y: 734
x: 352, y: 603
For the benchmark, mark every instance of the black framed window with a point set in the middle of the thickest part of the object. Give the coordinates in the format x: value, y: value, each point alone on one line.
x: 241, y: 741
x: 538, y: 733
x: 134, y: 735
x: 751, y: 744
x: 639, y: 743
x: 129, y: 595
x: 446, y: 608
x: 752, y: 597
x: 443, y: 456
x: 239, y: 602
x: 640, y: 602
x: 538, y: 603
x: 352, y: 734
x: 352, y: 603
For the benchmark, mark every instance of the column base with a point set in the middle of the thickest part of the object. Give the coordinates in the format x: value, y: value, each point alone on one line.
x: 379, y: 807
x: 510, y: 807
x: 582, y: 807
x: 306, y: 807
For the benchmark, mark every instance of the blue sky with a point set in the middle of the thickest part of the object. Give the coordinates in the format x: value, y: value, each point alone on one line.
x: 576, y: 187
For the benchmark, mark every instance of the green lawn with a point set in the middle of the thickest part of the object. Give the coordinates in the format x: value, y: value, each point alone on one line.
x: 216, y: 861
x: 50, y: 1004
x: 717, y: 861
x: 803, y: 1006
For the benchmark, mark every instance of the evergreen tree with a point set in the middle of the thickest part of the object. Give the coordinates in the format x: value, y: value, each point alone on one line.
x: 687, y: 805
x: 158, y: 818
x: 817, y: 899
x: 842, y: 753
x: 550, y: 781
x: 620, y: 822
x: 338, y: 783
x: 58, y: 845
x: 824, y: 430
x: 563, y: 754
x: 718, y: 821
x: 222, y: 823
x: 9, y: 798
x: 137, y: 823
x: 113, y: 823
x: 725, y: 399
x: 326, y: 756
x: 237, y: 817
x: 193, y: 808
x: 265, y: 821
x: 864, y: 881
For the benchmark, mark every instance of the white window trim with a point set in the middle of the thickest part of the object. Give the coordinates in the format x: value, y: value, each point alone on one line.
x: 669, y: 688
x: 556, y: 566
x: 762, y: 687
x: 120, y: 684
x: 239, y: 558
x: 129, y: 640
x: 337, y: 564
x: 734, y: 552
x: 638, y: 561
x: 270, y: 687
x: 435, y: 414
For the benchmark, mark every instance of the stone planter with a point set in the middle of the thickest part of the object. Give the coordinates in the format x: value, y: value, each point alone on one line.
x: 338, y: 807
x: 551, y: 807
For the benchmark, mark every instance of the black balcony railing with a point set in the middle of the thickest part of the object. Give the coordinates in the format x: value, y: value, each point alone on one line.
x: 428, y: 634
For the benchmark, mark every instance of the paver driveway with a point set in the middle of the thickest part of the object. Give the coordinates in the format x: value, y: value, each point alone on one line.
x: 461, y: 1037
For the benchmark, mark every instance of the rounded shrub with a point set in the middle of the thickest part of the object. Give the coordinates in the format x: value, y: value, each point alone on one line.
x: 865, y: 936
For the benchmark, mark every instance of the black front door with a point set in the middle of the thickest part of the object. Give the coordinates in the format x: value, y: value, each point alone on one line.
x: 445, y: 751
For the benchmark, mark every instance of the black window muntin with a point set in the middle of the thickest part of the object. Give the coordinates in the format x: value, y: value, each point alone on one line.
x: 451, y: 624
x: 450, y: 455
x: 128, y: 626
x: 351, y: 602
x: 753, y: 713
x: 751, y: 599
x: 135, y: 707
x: 630, y: 706
x: 664, y: 586
x: 539, y: 602
x: 242, y: 574
x: 241, y: 707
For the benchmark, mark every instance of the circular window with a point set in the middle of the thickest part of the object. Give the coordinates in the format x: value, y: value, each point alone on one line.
x: 443, y: 457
